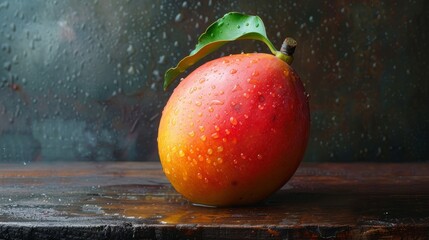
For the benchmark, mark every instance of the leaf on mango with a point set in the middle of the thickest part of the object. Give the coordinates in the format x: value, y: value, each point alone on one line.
x: 233, y: 26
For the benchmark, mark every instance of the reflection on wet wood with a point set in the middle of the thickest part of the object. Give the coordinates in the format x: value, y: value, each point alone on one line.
x: 135, y: 201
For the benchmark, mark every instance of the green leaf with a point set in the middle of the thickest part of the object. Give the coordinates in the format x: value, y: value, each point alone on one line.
x: 232, y: 26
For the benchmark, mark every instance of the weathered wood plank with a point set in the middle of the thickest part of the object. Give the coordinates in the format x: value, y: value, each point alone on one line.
x: 135, y: 201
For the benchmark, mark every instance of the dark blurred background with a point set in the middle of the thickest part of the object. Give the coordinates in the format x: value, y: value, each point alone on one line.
x: 82, y: 80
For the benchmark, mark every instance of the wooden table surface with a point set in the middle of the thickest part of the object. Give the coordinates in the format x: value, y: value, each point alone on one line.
x: 130, y: 200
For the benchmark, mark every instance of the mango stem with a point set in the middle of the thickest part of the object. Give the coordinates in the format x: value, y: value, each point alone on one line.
x: 287, y: 50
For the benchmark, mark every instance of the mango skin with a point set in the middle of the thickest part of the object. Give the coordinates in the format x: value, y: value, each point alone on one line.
x: 235, y: 130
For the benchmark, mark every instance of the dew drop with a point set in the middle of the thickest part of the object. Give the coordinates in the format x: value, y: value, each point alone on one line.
x: 191, y: 133
x: 260, y: 156
x: 193, y: 89
x: 261, y: 107
x: 200, y: 158
x: 216, y: 128
x: 233, y: 71
x: 255, y: 74
x: 199, y: 176
x: 211, y: 109
x: 168, y: 158
x: 181, y: 153
x: 233, y: 121
x: 178, y: 18
x: 219, y: 149
x: 216, y: 102
x: 167, y: 171
x: 236, y: 88
x: 286, y: 73
x: 206, y: 180
x: 209, y: 151
x: 215, y: 135
x: 227, y: 131
x: 198, y: 103
x: 202, y: 80
x: 203, y: 138
x: 201, y: 128
x: 219, y: 160
x: 252, y: 81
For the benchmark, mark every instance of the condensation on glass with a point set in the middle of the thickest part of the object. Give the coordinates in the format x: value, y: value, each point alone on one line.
x: 82, y: 80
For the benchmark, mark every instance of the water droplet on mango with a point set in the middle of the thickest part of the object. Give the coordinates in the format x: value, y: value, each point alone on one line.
x: 216, y: 102
x: 193, y: 90
x: 286, y: 73
x: 181, y: 153
x: 209, y: 151
x: 236, y: 88
x: 233, y: 121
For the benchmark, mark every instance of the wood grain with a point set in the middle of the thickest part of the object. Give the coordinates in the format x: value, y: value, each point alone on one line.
x: 131, y: 200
